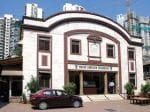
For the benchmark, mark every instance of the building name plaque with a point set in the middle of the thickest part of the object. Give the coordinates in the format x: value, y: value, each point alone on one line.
x: 89, y: 67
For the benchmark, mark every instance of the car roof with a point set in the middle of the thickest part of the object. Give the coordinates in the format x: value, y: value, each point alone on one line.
x: 52, y: 89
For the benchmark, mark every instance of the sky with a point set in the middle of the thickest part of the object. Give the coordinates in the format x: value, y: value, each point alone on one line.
x: 109, y: 8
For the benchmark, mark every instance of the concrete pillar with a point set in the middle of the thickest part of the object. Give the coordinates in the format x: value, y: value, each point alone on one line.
x: 105, y: 84
x: 10, y: 82
x: 116, y: 83
x: 81, y: 83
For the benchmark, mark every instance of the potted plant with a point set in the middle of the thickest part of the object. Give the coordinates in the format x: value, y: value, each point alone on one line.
x: 70, y: 88
x: 145, y: 89
x: 130, y: 89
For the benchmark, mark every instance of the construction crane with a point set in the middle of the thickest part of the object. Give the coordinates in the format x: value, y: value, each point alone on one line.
x: 128, y: 4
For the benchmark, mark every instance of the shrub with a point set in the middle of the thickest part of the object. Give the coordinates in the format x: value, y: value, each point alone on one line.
x: 70, y: 88
x: 145, y: 89
x: 129, y: 88
x: 24, y: 98
x: 32, y: 86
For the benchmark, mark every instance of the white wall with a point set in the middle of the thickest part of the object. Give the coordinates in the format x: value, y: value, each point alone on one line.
x: 29, y: 56
x: 58, y: 48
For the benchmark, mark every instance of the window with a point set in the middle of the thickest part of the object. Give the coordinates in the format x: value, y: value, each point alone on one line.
x: 75, y: 46
x: 94, y: 48
x: 44, y: 80
x: 60, y: 93
x: 132, y: 79
x: 44, y: 60
x: 110, y: 51
x: 131, y: 54
x: 44, y: 44
x: 49, y: 93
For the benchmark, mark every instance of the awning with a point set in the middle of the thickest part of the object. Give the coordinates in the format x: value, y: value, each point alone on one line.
x: 11, y: 73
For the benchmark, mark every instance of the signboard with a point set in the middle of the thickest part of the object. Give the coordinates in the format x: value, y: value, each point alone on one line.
x: 89, y: 67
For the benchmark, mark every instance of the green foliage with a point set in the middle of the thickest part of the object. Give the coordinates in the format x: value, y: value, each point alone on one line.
x: 129, y: 88
x: 70, y: 88
x: 32, y: 86
x: 145, y: 89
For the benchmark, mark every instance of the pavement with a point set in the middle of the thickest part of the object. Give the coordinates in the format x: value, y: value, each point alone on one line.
x: 97, y: 106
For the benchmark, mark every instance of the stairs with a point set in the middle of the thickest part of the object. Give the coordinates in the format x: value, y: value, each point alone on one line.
x: 15, y: 99
x: 104, y: 97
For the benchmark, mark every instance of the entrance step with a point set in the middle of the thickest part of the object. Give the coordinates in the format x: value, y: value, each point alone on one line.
x: 15, y: 99
x: 85, y: 98
x: 104, y: 97
x: 97, y: 97
x: 114, y: 97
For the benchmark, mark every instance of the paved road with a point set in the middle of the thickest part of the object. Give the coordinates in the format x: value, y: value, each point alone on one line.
x: 101, y: 106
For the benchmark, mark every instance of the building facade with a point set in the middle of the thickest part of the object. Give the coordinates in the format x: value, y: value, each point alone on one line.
x: 81, y: 47
x: 9, y: 35
x: 32, y: 10
x: 138, y: 26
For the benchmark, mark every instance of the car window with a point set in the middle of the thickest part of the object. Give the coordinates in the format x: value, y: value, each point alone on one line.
x: 60, y: 93
x: 49, y: 93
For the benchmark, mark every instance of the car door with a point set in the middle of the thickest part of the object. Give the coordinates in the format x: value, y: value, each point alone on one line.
x: 62, y: 98
x: 50, y: 98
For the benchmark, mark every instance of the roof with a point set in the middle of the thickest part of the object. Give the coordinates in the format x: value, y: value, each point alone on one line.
x: 48, y: 24
x: 11, y: 61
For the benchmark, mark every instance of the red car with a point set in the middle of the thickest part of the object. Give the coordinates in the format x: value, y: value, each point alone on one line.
x: 54, y: 98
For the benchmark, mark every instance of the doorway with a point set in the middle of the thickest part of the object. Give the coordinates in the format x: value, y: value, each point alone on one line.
x: 111, y: 83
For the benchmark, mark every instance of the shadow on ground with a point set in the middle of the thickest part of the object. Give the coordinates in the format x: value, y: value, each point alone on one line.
x: 111, y: 110
x: 2, y: 104
x: 67, y: 107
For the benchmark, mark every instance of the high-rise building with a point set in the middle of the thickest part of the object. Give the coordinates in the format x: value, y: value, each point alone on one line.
x: 32, y: 10
x: 71, y: 7
x: 9, y: 35
x: 2, y: 38
x: 138, y: 26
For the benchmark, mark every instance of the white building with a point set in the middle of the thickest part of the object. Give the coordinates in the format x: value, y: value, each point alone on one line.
x: 9, y: 35
x: 71, y: 7
x: 32, y: 10
x: 81, y: 47
x: 138, y: 26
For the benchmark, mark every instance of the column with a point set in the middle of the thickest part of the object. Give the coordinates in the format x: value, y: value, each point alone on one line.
x: 10, y: 82
x: 116, y: 83
x: 81, y: 83
x: 105, y: 84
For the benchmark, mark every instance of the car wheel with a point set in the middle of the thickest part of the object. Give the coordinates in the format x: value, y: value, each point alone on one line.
x: 76, y: 104
x: 43, y: 105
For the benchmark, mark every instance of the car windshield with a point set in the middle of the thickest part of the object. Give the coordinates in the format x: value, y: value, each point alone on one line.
x: 38, y: 92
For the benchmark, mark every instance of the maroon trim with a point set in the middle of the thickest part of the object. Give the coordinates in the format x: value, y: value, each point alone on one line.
x: 80, y: 48
x: 114, y: 54
x: 132, y: 66
x: 48, y: 29
x: 50, y: 52
x: 93, y: 71
x: 94, y: 37
x: 66, y: 61
x: 130, y: 63
x: 95, y: 41
x: 92, y: 62
x: 44, y: 60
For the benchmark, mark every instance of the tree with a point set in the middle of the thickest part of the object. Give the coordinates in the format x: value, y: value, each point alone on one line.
x: 33, y: 85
